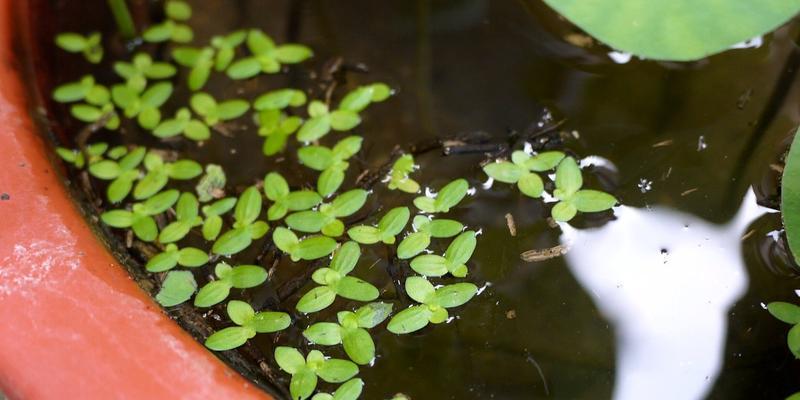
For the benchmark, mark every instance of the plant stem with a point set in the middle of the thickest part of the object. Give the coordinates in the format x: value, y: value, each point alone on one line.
x: 122, y: 16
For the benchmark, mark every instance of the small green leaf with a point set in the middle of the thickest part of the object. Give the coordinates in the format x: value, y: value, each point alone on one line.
x: 177, y: 10
x: 592, y: 201
x: 454, y: 295
x: 372, y: 314
x: 504, y: 171
x: 324, y: 333
x: 330, y: 180
x: 314, y: 128
x: 356, y: 289
x: 365, y: 234
x: 429, y: 265
x: 568, y: 178
x: 460, y: 250
x: 303, y: 384
x: 229, y: 338
x: 244, y: 68
x: 232, y: 241
x: 359, y: 346
x: 450, y: 195
x: 248, y: 207
x: 344, y: 120
x: 413, y: 244
x: 240, y: 312
x: 563, y: 211
x: 793, y: 340
x: 292, y: 53
x: 531, y: 185
x: 318, y: 158
x: 306, y: 221
x: 247, y: 276
x: 212, y: 293
x: 177, y: 288
x: 192, y: 257
x: 785, y: 312
x: 334, y: 370
x: 410, y: 320
x: 314, y: 247
x: 290, y: 360
x: 348, y: 203
x: 544, y: 161
x: 346, y: 258
x: 392, y: 223
x: 270, y: 321
x: 419, y: 289
x: 316, y: 299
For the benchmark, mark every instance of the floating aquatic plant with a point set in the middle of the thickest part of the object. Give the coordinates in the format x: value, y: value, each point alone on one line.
x: 351, y: 331
x: 248, y: 324
x: 434, y: 304
x: 305, y: 371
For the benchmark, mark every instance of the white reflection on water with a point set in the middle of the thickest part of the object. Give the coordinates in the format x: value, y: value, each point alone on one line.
x: 666, y: 280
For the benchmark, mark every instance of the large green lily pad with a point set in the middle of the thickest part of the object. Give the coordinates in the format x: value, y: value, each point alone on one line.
x: 790, y: 197
x: 676, y: 30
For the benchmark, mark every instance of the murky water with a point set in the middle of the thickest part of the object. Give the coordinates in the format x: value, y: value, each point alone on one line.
x: 665, y: 301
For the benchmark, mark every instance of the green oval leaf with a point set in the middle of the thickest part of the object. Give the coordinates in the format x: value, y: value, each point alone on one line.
x: 675, y: 30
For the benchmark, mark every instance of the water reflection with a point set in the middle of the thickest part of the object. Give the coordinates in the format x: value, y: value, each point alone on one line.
x: 666, y: 280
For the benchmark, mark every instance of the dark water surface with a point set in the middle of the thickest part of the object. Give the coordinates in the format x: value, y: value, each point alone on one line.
x: 663, y: 302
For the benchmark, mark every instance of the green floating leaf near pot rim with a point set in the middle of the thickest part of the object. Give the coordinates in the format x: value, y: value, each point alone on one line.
x: 790, y: 198
x: 676, y: 30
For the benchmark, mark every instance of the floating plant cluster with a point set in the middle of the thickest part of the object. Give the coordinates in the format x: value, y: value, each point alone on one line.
x: 305, y: 224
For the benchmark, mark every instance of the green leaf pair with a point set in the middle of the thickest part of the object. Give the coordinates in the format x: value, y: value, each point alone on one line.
x: 144, y: 108
x: 160, y: 172
x: 173, y: 29
x: 358, y: 99
x: 91, y: 114
x: 172, y: 256
x: 398, y: 177
x: 212, y: 223
x: 245, y: 228
x: 140, y: 69
x: 140, y: 217
x: 522, y: 170
x: 326, y: 219
x: 454, y: 259
x: 94, y: 151
x: 273, y: 123
x: 212, y: 184
x: 187, y: 216
x: 349, y: 390
x: 202, y: 61
x: 183, y: 124
x: 331, y: 162
x: 321, y: 120
x: 305, y: 371
x: 84, y: 89
x: 276, y: 127
x: 334, y: 282
x: 214, y: 112
x: 790, y: 314
x: 122, y: 173
x: 571, y: 198
x: 389, y: 226
x: 434, y: 304
x: 448, y: 197
x: 177, y: 287
x: 239, y: 277
x: 277, y: 190
x: 249, y: 323
x: 309, y: 248
x: 266, y: 56
x: 89, y: 46
x: 351, y: 331
x: 426, y: 229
